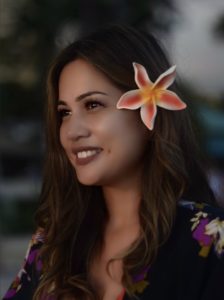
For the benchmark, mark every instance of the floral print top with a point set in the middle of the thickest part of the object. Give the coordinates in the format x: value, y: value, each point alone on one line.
x: 189, y: 266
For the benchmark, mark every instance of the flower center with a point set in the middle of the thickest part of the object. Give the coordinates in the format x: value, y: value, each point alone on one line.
x: 150, y: 94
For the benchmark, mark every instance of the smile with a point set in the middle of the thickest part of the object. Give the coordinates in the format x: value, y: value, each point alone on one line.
x: 88, y: 153
x: 84, y: 157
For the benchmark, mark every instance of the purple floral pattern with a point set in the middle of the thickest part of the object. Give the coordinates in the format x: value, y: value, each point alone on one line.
x: 140, y: 281
x: 28, y: 260
x: 208, y: 232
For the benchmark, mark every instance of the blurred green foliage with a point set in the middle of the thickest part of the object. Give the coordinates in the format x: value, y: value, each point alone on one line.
x: 17, y: 216
x: 42, y: 27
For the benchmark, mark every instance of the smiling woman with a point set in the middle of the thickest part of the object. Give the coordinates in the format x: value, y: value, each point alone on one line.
x: 126, y: 211
x: 104, y: 128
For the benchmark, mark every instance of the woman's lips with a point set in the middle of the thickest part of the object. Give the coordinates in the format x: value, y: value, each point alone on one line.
x: 85, y: 160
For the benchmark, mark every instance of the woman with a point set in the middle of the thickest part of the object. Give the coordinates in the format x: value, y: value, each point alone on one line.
x: 123, y: 210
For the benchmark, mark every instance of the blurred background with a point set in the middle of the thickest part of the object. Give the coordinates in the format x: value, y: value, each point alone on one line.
x: 32, y: 32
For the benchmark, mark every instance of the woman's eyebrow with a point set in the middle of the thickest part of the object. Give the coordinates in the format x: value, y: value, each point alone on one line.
x: 82, y: 96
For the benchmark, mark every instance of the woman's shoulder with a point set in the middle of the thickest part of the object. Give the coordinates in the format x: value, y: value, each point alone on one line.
x: 196, y: 207
x: 38, y: 237
x: 206, y: 224
x: 28, y: 276
x: 32, y: 254
x: 35, y: 243
x: 190, y: 264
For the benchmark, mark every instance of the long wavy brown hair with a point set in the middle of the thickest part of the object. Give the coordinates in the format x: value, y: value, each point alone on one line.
x: 74, y: 216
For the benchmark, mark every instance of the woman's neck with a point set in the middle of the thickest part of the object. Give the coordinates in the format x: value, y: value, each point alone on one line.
x: 123, y: 206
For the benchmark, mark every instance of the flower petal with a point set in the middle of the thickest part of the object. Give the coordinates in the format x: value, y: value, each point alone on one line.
x: 148, y: 114
x: 170, y: 100
x: 166, y: 79
x: 131, y: 100
x: 141, y: 76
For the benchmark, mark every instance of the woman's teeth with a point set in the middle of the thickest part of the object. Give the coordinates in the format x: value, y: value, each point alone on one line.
x: 84, y: 154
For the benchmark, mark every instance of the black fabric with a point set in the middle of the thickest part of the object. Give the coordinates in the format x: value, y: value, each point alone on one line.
x: 189, y: 266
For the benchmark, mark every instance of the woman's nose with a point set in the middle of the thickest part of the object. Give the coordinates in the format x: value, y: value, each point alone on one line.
x: 77, y: 128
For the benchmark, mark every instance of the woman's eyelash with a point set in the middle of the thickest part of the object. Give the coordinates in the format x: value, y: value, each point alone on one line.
x: 63, y: 113
x: 93, y: 102
x: 89, y: 104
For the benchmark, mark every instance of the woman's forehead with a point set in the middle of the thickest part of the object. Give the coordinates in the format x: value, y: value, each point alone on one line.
x: 79, y: 77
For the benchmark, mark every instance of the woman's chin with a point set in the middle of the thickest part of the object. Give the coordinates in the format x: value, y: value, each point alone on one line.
x: 85, y: 180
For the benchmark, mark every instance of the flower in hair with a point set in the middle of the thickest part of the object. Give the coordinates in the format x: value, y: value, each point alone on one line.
x: 150, y: 95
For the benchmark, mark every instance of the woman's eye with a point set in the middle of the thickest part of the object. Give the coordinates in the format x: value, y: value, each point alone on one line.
x: 63, y: 113
x: 92, y: 104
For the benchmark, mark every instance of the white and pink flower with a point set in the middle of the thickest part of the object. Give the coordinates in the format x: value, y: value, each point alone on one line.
x: 150, y: 95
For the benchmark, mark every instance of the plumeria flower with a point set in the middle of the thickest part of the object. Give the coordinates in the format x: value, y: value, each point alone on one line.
x: 149, y: 95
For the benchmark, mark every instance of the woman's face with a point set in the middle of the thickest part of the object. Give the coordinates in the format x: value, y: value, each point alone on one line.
x: 110, y: 142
